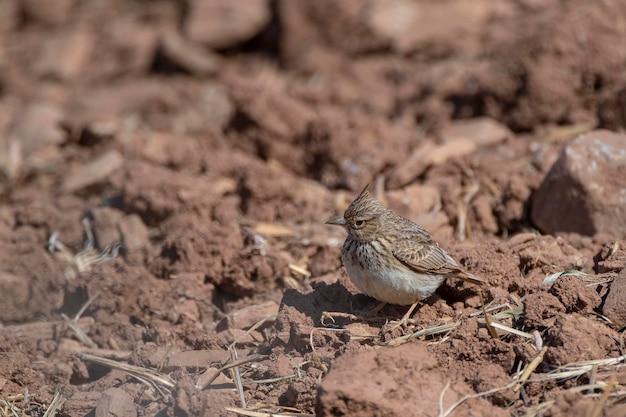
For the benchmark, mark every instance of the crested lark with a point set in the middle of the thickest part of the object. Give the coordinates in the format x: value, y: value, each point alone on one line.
x: 392, y: 259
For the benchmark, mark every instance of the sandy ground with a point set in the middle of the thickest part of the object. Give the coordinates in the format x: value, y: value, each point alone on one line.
x: 166, y: 169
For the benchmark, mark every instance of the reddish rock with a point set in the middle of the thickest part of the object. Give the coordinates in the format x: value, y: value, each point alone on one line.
x: 38, y: 125
x: 402, y: 381
x: 94, y: 172
x: 115, y: 402
x: 615, y: 304
x: 247, y: 317
x: 225, y: 23
x: 411, y: 24
x: 414, y: 200
x: 188, y: 55
x: 481, y: 130
x: 134, y: 233
x: 585, y: 191
x: 64, y: 55
x: 49, y: 12
x: 105, y: 223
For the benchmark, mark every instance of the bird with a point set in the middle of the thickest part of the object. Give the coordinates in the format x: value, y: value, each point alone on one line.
x: 391, y: 258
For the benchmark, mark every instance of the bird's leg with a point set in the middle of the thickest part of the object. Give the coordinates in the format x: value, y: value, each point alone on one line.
x: 372, y: 313
x: 405, y: 319
x: 378, y: 308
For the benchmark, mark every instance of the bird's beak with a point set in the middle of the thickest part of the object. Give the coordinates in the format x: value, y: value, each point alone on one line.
x: 337, y: 221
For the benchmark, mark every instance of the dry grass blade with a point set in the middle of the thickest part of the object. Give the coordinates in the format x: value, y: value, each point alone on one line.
x: 274, y: 229
x: 488, y: 323
x: 80, y: 334
x: 200, y: 384
x: 509, y: 329
x: 142, y: 374
x: 479, y: 395
x: 83, y: 260
x: 255, y: 413
x: 428, y: 331
x: 530, y: 369
x: 551, y: 279
x: 8, y: 409
x: 56, y: 403
x: 236, y: 376
x: 576, y: 369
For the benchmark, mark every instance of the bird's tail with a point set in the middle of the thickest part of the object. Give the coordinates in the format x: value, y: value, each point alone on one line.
x: 469, y: 277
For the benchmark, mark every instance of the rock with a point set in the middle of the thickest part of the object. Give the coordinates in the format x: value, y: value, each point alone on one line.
x: 541, y: 309
x: 427, y: 155
x: 414, y: 200
x: 18, y: 287
x: 575, y: 295
x: 585, y: 190
x: 9, y: 17
x: 38, y: 125
x: 482, y: 131
x: 115, y: 402
x: 188, y: 55
x: 64, y: 55
x: 195, y: 359
x: 410, y: 24
x: 134, y: 233
x: 94, y: 172
x: 247, y: 317
x: 575, y: 338
x: 215, y: 106
x: 105, y: 226
x: 49, y: 12
x: 615, y: 304
x: 402, y: 381
x: 224, y: 23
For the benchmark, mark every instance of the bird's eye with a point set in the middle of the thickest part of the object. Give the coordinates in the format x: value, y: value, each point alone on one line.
x: 359, y: 223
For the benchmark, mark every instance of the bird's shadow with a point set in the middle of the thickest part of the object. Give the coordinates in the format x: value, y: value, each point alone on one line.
x: 335, y: 305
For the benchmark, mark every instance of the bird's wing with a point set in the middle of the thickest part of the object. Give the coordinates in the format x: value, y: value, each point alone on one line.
x: 424, y: 255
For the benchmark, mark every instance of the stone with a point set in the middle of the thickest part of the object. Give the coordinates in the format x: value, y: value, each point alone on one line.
x: 64, y: 55
x: 401, y: 381
x: 38, y: 125
x: 428, y: 154
x: 94, y: 172
x: 223, y: 23
x: 188, y: 55
x: 615, y: 304
x: 410, y: 24
x: 115, y: 402
x: 196, y: 359
x: 585, y: 190
x: 105, y: 226
x: 247, y: 317
x: 49, y: 12
x: 413, y: 200
x: 483, y: 131
x: 135, y: 234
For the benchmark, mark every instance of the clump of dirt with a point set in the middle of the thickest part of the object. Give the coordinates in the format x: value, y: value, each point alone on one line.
x: 166, y: 169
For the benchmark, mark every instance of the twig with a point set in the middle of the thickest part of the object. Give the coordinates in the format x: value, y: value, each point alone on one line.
x: 443, y: 391
x: 56, y: 403
x: 237, y: 375
x: 479, y: 395
x: 149, y: 376
x: 530, y: 368
x: 82, y: 336
x: 250, y: 358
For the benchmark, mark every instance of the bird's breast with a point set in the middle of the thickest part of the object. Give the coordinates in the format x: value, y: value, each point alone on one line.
x: 376, y: 272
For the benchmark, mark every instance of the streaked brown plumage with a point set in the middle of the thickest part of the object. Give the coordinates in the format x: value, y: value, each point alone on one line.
x: 392, y: 259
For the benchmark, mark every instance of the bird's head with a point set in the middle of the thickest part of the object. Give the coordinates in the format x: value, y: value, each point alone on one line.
x: 363, y: 218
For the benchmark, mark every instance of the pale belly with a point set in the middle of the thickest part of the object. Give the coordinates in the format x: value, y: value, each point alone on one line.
x: 393, y: 286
